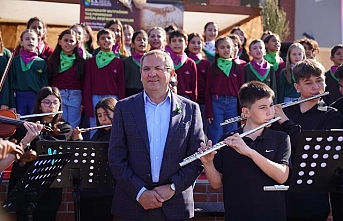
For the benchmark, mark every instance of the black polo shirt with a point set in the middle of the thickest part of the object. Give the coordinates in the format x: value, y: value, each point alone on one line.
x: 243, y: 180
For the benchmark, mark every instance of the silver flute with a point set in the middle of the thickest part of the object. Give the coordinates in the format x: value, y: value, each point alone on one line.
x: 94, y: 128
x: 283, y: 105
x: 276, y: 188
x: 221, y: 144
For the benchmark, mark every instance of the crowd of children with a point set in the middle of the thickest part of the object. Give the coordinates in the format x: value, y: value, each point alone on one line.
x: 212, y: 70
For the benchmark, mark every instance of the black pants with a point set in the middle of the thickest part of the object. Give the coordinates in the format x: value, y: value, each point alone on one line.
x: 152, y: 215
x: 96, y: 209
x: 38, y: 215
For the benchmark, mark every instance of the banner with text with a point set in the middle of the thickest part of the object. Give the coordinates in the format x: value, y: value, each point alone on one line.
x: 137, y: 13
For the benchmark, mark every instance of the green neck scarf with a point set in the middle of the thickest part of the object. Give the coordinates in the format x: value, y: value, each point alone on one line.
x: 333, y: 75
x: 25, y: 67
x: 273, y: 59
x: 225, y: 65
x: 66, y: 61
x: 257, y: 74
x: 179, y: 61
x: 104, y: 58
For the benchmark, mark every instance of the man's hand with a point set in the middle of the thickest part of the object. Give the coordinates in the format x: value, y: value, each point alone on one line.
x: 150, y: 199
x: 165, y: 191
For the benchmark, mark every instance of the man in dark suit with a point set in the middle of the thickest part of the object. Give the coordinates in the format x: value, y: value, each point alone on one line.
x: 152, y: 133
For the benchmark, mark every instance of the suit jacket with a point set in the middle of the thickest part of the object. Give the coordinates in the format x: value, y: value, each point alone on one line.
x: 129, y: 157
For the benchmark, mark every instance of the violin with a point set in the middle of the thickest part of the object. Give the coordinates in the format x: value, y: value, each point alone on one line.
x: 8, y: 125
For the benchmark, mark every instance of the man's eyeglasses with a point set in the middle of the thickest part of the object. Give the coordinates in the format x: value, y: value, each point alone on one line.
x: 48, y: 103
x: 159, y: 69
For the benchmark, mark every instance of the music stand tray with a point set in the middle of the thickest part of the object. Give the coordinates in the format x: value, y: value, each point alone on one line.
x: 87, y: 168
x: 318, y: 162
x: 39, y: 176
x: 89, y: 163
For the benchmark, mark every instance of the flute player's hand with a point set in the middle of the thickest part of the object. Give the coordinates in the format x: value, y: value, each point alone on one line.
x: 77, y: 134
x: 208, y: 158
x: 279, y: 113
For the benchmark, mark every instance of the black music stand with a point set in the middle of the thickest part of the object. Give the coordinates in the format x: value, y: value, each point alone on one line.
x: 318, y: 163
x: 87, y: 168
x: 38, y: 178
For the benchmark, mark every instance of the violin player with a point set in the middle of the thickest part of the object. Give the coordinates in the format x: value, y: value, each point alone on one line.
x: 48, y: 100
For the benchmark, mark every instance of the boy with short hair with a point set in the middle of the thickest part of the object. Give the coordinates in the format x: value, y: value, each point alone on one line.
x: 248, y: 164
x: 104, y: 75
x: 331, y: 79
x: 258, y: 69
x: 310, y: 115
x: 185, y: 67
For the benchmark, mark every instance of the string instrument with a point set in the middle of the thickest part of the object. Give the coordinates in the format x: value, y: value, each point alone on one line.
x: 40, y: 115
x: 8, y: 126
x: 7, y: 68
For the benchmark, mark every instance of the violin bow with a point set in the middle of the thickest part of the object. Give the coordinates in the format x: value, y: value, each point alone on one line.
x: 3, y: 78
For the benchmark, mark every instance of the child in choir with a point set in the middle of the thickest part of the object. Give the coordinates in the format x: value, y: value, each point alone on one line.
x: 89, y: 38
x: 95, y: 204
x: 330, y: 77
x: 194, y: 52
x: 185, y: 68
x: 66, y: 70
x: 79, y: 31
x: 44, y: 51
x: 133, y: 83
x: 258, y: 68
x: 237, y: 45
x: 27, y: 75
x: 210, y: 35
x: 285, y: 84
x: 242, y: 53
x: 222, y: 88
x: 128, y: 32
x: 273, y: 45
x: 311, y: 47
x: 119, y: 48
x: 169, y: 29
x: 310, y: 115
x: 247, y: 164
x: 266, y: 34
x: 157, y: 38
x: 104, y: 75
